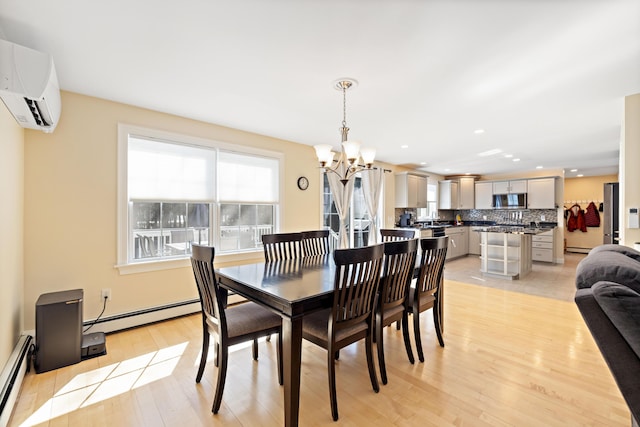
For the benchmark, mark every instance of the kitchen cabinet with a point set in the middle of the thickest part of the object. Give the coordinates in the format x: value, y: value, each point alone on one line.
x: 510, y: 187
x: 411, y: 190
x: 484, y: 195
x: 447, y: 194
x: 542, y: 246
x: 466, y: 193
x: 458, y: 241
x: 457, y: 193
x: 474, y: 240
x: 541, y: 193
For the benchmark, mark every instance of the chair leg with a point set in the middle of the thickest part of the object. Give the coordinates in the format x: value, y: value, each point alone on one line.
x: 331, y: 367
x: 416, y: 333
x: 398, y: 325
x: 436, y: 321
x: 216, y: 359
x: 255, y: 349
x: 203, y: 356
x: 380, y: 346
x: 222, y: 375
x: 405, y: 336
x: 370, y: 364
x: 279, y: 356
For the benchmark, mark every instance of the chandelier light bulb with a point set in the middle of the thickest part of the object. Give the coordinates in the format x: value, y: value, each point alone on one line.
x: 351, y: 150
x: 368, y: 155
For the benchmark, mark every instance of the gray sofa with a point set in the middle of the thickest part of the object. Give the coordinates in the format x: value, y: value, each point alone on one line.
x: 608, y: 297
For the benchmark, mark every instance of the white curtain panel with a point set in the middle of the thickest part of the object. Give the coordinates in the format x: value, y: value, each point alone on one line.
x: 372, y: 181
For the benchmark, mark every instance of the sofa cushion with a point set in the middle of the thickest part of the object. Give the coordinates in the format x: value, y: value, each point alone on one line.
x: 622, y: 307
x: 608, y: 266
x: 625, y: 250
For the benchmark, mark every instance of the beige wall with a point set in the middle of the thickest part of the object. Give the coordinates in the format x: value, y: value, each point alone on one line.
x: 11, y: 228
x: 630, y: 168
x: 582, y: 191
x: 70, y: 205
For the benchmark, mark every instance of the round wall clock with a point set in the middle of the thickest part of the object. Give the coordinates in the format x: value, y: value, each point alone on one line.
x: 303, y: 183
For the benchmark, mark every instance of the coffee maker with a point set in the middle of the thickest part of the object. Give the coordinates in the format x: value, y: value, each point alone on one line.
x: 405, y: 220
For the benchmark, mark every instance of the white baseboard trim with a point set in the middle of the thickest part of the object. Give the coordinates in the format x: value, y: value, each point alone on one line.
x: 12, y: 376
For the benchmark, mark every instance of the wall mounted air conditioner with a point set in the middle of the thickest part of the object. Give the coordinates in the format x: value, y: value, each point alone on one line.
x: 29, y: 86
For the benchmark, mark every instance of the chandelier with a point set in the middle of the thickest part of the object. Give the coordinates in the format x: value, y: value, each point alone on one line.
x: 348, y: 164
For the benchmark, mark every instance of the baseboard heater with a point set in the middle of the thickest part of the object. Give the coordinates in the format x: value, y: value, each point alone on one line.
x: 12, y: 376
x: 142, y: 317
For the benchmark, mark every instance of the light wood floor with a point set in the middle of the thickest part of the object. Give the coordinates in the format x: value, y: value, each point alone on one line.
x: 511, y: 359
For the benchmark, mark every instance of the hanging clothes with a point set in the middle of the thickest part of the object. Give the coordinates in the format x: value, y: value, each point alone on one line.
x: 591, y: 216
x: 576, y: 219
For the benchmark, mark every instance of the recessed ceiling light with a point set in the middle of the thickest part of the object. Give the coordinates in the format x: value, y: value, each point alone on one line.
x: 580, y: 175
x: 404, y: 146
x: 447, y: 170
x: 515, y: 160
x: 508, y: 156
x: 478, y: 131
x: 538, y: 167
x: 574, y: 170
x: 490, y: 152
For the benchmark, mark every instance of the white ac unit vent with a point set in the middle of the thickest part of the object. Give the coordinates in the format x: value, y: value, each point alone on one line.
x: 29, y: 86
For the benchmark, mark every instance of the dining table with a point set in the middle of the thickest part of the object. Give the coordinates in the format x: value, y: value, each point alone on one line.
x: 293, y: 289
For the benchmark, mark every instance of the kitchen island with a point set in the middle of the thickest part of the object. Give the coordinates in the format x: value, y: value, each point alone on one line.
x: 505, y: 253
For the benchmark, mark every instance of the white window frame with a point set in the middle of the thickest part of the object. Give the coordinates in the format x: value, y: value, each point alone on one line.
x: 124, y: 130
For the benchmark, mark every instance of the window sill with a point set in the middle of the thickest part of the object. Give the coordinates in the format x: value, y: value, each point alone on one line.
x: 168, y: 264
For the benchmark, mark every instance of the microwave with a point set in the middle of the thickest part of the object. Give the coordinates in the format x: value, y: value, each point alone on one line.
x: 510, y: 201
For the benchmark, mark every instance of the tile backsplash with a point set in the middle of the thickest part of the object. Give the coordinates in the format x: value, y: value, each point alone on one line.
x: 498, y: 216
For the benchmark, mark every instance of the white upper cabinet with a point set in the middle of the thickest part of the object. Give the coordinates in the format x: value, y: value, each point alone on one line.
x: 466, y: 193
x: 484, y: 195
x: 448, y: 194
x: 411, y: 190
x: 510, y: 187
x: 457, y: 193
x: 541, y: 194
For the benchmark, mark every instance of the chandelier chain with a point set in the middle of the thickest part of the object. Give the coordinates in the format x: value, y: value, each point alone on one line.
x: 344, y: 106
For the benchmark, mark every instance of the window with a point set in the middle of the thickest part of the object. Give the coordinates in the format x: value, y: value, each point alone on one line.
x: 175, y: 191
x: 358, y: 221
x: 431, y: 211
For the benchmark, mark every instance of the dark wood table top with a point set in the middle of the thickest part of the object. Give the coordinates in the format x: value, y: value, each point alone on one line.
x: 290, y: 287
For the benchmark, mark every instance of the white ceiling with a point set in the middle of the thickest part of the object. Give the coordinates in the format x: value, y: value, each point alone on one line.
x: 545, y: 79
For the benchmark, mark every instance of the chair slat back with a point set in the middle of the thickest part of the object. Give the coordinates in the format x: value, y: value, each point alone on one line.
x: 391, y: 235
x: 315, y: 242
x: 211, y: 298
x: 281, y: 246
x: 356, y: 284
x: 433, y: 254
x: 399, y: 263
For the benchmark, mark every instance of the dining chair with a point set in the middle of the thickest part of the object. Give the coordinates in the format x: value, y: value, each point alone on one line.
x: 315, y: 242
x: 281, y: 246
x: 392, y: 234
x: 399, y: 264
x: 350, y: 319
x: 428, y: 288
x: 230, y: 325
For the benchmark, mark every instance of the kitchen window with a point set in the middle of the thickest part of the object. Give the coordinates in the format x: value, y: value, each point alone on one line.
x: 175, y: 191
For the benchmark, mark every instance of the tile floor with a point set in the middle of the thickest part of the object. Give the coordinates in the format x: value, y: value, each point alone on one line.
x: 555, y: 281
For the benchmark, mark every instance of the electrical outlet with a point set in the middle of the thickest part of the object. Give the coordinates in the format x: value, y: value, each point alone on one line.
x: 106, y: 293
x: 541, y: 217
